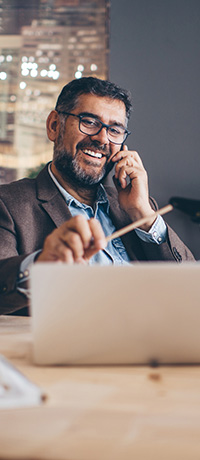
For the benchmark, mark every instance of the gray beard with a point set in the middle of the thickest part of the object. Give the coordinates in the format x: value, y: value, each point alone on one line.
x: 73, y: 174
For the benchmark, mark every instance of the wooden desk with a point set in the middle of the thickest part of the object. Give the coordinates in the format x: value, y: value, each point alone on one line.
x: 100, y: 413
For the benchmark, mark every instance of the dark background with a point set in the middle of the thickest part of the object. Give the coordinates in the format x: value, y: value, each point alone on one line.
x: 155, y: 53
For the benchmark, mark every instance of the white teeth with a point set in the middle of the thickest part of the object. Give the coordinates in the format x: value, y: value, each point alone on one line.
x: 93, y: 154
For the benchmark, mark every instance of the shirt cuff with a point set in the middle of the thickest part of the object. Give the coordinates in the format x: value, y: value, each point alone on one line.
x: 157, y: 233
x: 24, y: 273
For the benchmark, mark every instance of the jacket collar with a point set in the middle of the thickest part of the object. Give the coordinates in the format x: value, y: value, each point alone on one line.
x: 51, y: 199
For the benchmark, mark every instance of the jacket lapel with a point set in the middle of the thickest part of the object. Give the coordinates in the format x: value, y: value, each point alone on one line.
x: 51, y: 200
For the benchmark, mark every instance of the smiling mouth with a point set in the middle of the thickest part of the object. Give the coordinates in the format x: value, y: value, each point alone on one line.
x: 92, y: 153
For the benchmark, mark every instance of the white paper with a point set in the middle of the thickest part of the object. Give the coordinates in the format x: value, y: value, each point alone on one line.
x: 15, y: 389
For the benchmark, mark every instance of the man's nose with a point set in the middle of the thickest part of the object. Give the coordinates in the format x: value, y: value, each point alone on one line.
x: 101, y: 136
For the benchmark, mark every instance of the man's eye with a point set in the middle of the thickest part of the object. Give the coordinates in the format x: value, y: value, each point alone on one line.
x: 90, y: 122
x: 115, y: 131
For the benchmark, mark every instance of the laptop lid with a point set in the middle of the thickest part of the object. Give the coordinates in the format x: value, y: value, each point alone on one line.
x: 132, y: 314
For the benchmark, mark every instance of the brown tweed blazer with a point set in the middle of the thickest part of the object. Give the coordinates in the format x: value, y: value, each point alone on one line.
x: 30, y: 209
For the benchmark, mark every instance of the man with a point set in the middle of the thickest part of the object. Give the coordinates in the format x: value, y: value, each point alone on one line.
x: 65, y: 213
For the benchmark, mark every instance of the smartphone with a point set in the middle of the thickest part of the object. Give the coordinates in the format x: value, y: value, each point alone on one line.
x: 111, y: 164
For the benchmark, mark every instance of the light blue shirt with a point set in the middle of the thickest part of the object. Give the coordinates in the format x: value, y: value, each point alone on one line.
x: 115, y: 252
x: 156, y: 234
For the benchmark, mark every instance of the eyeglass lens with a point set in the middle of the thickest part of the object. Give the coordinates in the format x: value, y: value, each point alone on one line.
x: 91, y: 126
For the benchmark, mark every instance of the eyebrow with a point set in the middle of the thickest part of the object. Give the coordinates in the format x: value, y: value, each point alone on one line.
x: 93, y: 115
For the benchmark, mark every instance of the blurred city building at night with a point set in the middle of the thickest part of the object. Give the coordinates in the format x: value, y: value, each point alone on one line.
x: 43, y: 45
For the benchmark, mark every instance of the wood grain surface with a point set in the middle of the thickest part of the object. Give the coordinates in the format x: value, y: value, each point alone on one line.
x: 100, y: 413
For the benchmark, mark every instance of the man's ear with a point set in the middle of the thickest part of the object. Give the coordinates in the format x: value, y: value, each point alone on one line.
x: 53, y: 125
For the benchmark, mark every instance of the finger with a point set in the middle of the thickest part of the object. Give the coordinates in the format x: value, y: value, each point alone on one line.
x: 68, y: 242
x: 73, y: 241
x: 131, y: 172
x: 125, y: 162
x: 98, y: 235
x: 55, y: 251
x: 80, y: 226
x: 64, y: 254
x: 128, y: 154
x: 112, y: 157
x: 119, y: 155
x: 98, y: 238
x: 122, y: 175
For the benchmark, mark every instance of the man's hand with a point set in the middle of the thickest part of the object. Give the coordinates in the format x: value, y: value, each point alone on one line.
x: 75, y: 241
x: 134, y: 196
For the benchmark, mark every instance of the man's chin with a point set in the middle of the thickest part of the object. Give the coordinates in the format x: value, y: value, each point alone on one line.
x: 78, y: 178
x: 85, y: 175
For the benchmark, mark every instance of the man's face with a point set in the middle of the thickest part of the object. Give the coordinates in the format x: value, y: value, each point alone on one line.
x: 83, y: 160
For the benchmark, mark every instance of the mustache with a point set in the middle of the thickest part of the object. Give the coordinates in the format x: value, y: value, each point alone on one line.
x: 104, y: 149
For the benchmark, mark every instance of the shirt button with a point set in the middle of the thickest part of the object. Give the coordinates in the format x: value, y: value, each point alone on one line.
x: 154, y: 234
x: 159, y: 239
x: 26, y: 273
x: 21, y: 275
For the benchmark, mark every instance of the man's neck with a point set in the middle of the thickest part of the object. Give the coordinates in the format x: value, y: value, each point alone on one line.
x: 86, y: 196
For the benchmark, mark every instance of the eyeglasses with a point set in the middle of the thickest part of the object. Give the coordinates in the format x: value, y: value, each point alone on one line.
x: 92, y: 126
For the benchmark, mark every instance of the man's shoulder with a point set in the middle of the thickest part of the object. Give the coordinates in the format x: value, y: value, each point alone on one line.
x: 16, y: 187
x: 20, y: 189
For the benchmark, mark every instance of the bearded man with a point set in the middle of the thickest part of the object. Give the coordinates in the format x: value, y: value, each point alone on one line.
x: 66, y: 212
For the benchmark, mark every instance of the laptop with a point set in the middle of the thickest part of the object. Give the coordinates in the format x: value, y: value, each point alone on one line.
x: 141, y: 313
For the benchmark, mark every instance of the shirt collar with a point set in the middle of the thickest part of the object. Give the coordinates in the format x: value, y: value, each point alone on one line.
x: 100, y: 199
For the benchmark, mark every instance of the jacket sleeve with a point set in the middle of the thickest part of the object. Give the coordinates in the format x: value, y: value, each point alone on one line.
x: 10, y: 299
x: 171, y: 250
x: 10, y: 261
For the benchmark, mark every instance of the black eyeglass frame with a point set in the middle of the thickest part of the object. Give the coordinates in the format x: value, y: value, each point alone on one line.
x: 103, y: 125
